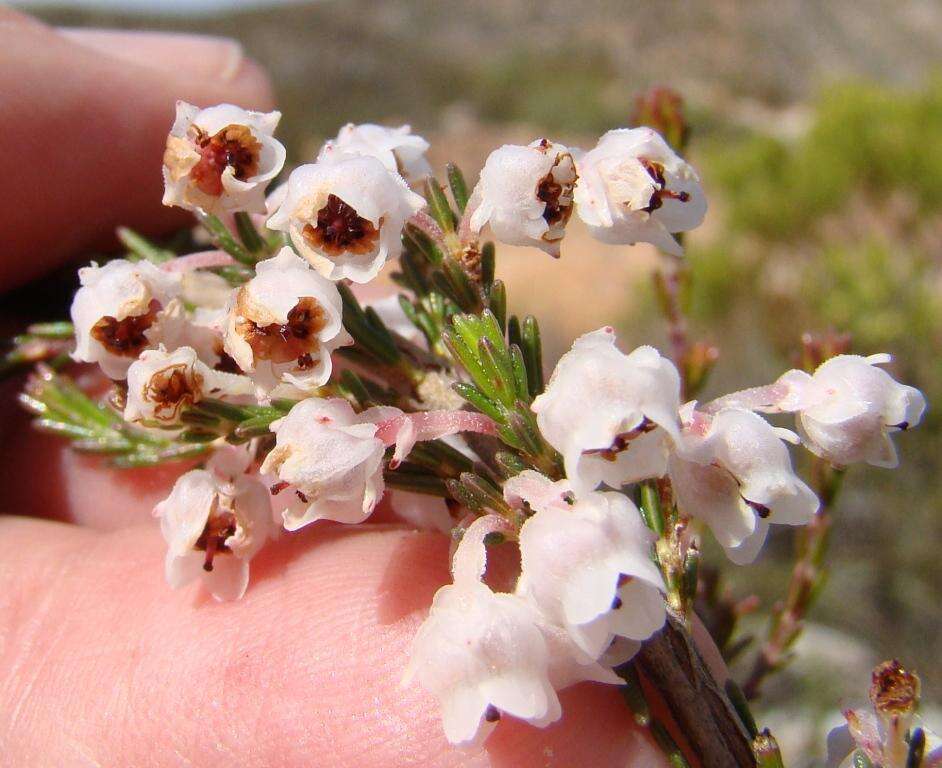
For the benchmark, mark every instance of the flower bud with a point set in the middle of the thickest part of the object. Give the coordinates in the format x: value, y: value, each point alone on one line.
x: 345, y: 215
x: 633, y: 187
x: 525, y: 194
x: 121, y: 310
x: 221, y: 158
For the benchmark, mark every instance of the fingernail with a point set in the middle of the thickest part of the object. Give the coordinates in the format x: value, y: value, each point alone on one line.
x: 200, y: 56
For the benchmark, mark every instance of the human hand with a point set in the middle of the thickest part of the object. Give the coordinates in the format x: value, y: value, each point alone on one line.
x: 100, y: 663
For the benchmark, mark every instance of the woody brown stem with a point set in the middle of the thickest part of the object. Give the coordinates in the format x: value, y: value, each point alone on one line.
x: 697, y: 702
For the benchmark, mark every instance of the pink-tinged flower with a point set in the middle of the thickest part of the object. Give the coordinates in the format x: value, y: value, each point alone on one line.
x: 214, y: 521
x: 483, y: 654
x: 221, y: 158
x: 398, y: 149
x: 122, y: 309
x: 161, y: 384
x: 847, y: 410
x: 345, y: 215
x: 586, y: 563
x: 733, y: 471
x: 284, y: 323
x: 609, y: 414
x: 633, y: 188
x: 525, y: 194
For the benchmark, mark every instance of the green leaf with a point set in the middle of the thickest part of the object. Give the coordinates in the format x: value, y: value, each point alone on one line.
x: 459, y: 188
x: 438, y: 206
x: 532, y: 348
x: 488, y: 264
x: 141, y: 248
x: 223, y: 239
x: 249, y: 235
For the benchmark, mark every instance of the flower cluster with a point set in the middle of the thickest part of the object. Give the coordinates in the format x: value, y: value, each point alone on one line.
x: 308, y: 406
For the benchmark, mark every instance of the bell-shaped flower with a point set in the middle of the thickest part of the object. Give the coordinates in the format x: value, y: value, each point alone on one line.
x: 482, y: 653
x: 586, y: 563
x: 345, y: 215
x: 400, y: 150
x: 214, y: 521
x: 611, y: 415
x: 221, y: 158
x: 849, y: 408
x: 121, y: 309
x: 329, y: 458
x: 283, y: 324
x: 732, y: 470
x: 526, y: 194
x: 632, y: 187
x: 161, y: 384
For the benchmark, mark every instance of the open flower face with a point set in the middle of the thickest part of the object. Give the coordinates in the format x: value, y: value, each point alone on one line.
x: 345, y: 215
x: 586, y: 563
x: 849, y: 408
x: 526, y: 194
x: 400, y: 150
x: 633, y: 187
x: 284, y: 323
x: 214, y: 521
x: 733, y: 471
x: 329, y: 462
x: 610, y: 414
x: 120, y: 311
x: 221, y: 158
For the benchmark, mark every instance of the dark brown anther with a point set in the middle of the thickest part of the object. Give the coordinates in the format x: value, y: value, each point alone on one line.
x: 623, y: 441
x: 226, y: 363
x: 340, y: 230
x: 301, y: 496
x: 219, y: 527
x: 171, y: 389
x: 760, y: 509
x: 661, y: 193
x: 233, y: 147
x: 278, y: 488
x: 491, y: 714
x: 616, y: 603
x: 295, y: 340
x: 127, y: 337
x: 549, y: 191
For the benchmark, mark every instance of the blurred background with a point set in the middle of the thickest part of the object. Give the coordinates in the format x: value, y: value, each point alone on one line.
x: 817, y: 131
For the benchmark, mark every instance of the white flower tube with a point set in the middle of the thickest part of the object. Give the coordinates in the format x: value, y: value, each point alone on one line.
x: 214, y: 521
x: 161, y: 384
x: 848, y: 409
x: 400, y: 150
x: 632, y: 187
x: 525, y: 194
x: 121, y: 309
x: 284, y: 323
x: 221, y: 158
x: 345, y: 215
x: 586, y: 563
x: 732, y: 470
x: 610, y: 414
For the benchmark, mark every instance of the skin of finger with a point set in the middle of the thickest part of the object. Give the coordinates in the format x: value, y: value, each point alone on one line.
x: 85, y: 134
x: 101, y: 664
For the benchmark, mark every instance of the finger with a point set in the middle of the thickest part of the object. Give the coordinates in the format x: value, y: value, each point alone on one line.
x: 102, y: 664
x: 84, y: 116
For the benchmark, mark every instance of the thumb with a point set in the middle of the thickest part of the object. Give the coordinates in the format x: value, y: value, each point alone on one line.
x: 84, y: 116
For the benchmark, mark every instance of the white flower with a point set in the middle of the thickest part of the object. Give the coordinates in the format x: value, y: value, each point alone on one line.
x: 161, y: 384
x: 345, y: 215
x: 586, y: 563
x: 425, y: 512
x: 221, y: 158
x: 400, y: 150
x: 482, y: 653
x: 608, y: 413
x: 119, y: 311
x: 283, y: 324
x: 632, y: 187
x: 732, y: 470
x: 330, y: 459
x: 849, y: 408
x: 525, y: 194
x: 214, y: 521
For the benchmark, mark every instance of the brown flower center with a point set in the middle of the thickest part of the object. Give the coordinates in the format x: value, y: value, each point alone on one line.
x: 219, y: 527
x: 171, y: 389
x: 126, y: 337
x: 296, y: 340
x: 656, y: 172
x: 341, y: 230
x: 234, y: 146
